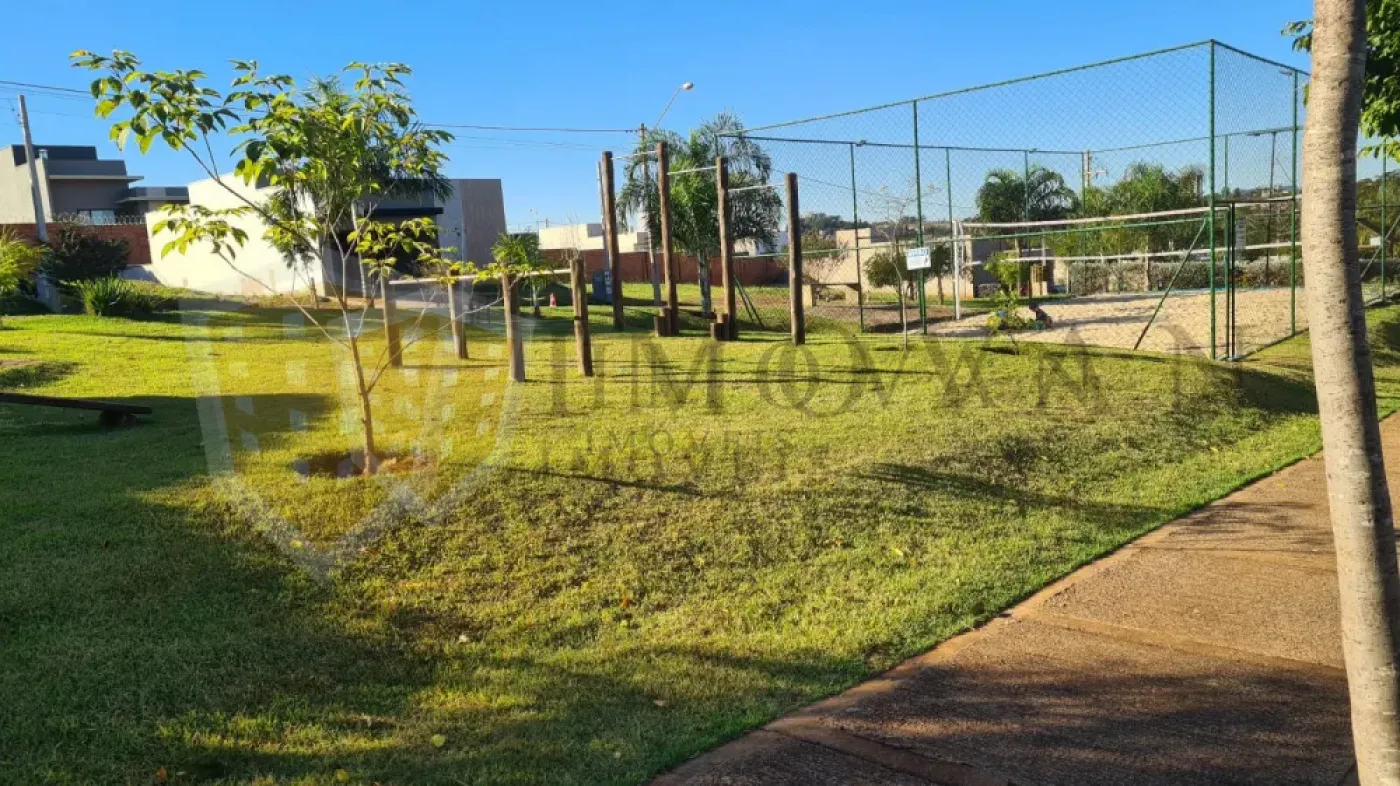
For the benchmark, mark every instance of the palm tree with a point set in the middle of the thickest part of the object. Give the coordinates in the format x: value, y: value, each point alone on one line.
x: 1359, y: 503
x: 694, y: 200
x: 1038, y: 195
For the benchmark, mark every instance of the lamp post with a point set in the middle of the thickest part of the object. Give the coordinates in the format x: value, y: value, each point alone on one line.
x: 646, y: 181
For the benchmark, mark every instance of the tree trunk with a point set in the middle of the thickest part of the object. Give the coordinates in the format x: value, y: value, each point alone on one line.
x: 366, y: 408
x: 1363, y: 529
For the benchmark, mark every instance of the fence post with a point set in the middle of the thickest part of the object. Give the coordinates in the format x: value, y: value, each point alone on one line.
x: 459, y: 331
x: 1293, y: 224
x: 855, y: 224
x: 610, y: 238
x: 515, y: 346
x: 668, y: 251
x: 919, y: 202
x: 582, y: 340
x: 1385, y: 230
x: 799, y: 325
x: 953, y: 235
x: 1026, y: 216
x: 726, y: 250
x: 391, y: 327
x: 1210, y: 203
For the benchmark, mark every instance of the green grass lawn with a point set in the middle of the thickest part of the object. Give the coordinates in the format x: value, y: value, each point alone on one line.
x: 586, y: 581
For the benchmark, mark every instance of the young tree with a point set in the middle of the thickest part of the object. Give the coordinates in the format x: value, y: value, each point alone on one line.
x: 18, y: 261
x: 521, y: 253
x: 320, y: 161
x: 1359, y: 502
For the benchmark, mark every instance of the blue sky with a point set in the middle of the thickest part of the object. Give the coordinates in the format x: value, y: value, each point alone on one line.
x: 610, y: 64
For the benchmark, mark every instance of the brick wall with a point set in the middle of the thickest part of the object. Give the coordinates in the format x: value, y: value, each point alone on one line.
x: 636, y: 267
x: 134, y: 235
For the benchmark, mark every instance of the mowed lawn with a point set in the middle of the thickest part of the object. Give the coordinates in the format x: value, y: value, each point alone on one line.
x: 579, y: 581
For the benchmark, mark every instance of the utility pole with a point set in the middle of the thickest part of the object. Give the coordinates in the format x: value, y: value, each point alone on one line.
x: 41, y: 227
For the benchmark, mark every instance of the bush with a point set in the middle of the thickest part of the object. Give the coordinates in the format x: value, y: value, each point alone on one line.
x: 118, y: 297
x: 78, y: 254
x: 17, y: 262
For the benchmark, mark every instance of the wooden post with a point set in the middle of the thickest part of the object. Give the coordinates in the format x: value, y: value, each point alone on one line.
x: 799, y: 326
x: 726, y: 250
x: 459, y: 330
x: 582, y: 340
x: 391, y: 327
x: 610, y: 238
x: 515, y: 345
x: 668, y: 251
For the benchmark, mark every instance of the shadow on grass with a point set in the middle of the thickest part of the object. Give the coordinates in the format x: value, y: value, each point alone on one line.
x: 27, y: 374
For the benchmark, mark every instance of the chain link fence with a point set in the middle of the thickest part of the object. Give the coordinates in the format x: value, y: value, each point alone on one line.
x: 1146, y: 202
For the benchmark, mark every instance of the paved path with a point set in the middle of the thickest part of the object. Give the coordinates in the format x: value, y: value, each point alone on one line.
x: 1207, y: 652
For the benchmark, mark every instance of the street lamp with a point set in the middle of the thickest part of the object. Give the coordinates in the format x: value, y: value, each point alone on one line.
x: 646, y: 178
x: 684, y: 86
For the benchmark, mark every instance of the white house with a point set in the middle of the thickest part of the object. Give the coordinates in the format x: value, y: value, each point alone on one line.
x: 470, y: 219
x: 588, y: 236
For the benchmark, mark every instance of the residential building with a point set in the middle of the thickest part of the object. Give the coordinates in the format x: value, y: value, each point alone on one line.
x: 75, y: 185
x: 470, y: 219
x: 588, y: 237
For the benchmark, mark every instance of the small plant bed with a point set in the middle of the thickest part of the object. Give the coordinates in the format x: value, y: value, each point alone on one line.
x: 1010, y: 316
x: 342, y: 465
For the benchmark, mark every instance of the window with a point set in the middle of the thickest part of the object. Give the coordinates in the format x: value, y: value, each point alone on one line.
x: 99, y: 217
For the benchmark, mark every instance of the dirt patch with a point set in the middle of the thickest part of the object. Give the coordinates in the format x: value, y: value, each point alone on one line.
x: 352, y: 465
x: 1182, y: 323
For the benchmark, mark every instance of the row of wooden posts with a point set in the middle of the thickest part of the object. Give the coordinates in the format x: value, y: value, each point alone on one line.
x: 725, y: 326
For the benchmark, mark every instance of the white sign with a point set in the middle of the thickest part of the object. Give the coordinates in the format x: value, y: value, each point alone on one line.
x: 1239, y: 237
x: 918, y: 259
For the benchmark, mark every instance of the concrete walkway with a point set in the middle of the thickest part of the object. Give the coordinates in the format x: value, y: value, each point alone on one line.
x: 1207, y: 652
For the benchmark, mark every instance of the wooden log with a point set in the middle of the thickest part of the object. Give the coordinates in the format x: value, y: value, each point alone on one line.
x: 515, y: 344
x: 92, y: 405
x: 583, y: 342
x: 459, y: 330
x: 799, y: 326
x: 668, y: 250
x: 610, y: 238
x: 726, y: 246
x: 391, y: 325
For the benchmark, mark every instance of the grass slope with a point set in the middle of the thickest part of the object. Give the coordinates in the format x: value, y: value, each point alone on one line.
x: 655, y: 560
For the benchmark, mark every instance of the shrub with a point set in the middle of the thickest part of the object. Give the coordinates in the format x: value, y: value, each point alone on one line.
x: 17, y: 262
x: 79, y: 254
x: 118, y: 297
x: 1007, y: 315
x: 889, y: 269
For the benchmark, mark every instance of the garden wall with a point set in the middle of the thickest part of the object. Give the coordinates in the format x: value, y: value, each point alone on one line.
x: 134, y: 235
x: 635, y: 267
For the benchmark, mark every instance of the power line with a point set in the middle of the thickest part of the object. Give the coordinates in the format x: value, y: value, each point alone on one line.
x: 33, y: 86
x: 13, y: 85
x: 544, y: 129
